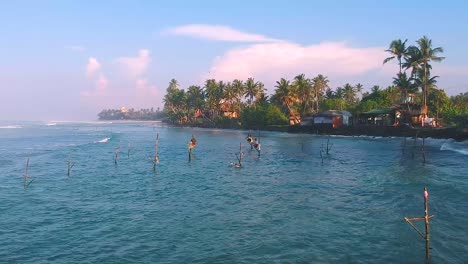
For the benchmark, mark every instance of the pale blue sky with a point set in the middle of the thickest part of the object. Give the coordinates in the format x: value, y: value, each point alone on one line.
x: 46, y: 46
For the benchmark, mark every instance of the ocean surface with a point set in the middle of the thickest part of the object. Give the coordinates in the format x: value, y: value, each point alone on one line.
x: 284, y: 206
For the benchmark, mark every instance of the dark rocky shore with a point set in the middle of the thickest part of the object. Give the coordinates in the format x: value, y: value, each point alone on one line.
x: 458, y: 134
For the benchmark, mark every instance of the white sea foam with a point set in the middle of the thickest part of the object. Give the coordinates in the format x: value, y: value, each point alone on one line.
x: 461, y: 148
x: 11, y: 126
x: 104, y: 140
x: 51, y: 124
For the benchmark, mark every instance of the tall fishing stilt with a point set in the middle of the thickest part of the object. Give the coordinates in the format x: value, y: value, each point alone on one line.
x: 116, y: 155
x: 26, y: 180
x: 70, y: 164
x: 426, y: 218
x: 191, y: 146
x: 239, y: 157
x: 329, y: 146
x: 156, y: 152
x: 423, y: 151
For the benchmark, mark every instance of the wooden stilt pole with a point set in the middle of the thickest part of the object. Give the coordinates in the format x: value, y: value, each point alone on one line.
x: 26, y: 174
x: 70, y: 164
x: 426, y: 218
x: 116, y: 155
x: 426, y: 222
x: 329, y: 146
x: 156, y: 152
x: 404, y: 145
x: 321, y: 153
x: 423, y: 150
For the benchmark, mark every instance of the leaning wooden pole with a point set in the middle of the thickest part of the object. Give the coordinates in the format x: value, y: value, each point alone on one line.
x: 426, y: 217
x: 26, y: 174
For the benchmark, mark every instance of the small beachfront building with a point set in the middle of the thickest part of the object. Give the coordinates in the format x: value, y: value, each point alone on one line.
x: 391, y: 116
x: 329, y: 119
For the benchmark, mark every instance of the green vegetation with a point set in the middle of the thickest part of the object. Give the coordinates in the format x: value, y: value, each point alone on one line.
x: 130, y: 114
x: 245, y: 103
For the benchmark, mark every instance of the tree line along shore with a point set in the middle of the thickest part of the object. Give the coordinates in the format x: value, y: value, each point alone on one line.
x: 414, y: 94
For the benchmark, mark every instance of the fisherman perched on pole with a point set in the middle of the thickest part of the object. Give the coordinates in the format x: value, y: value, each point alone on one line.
x: 192, y: 144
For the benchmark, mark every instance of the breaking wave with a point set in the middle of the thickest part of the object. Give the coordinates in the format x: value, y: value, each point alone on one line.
x: 104, y: 140
x: 461, y: 147
x: 11, y: 126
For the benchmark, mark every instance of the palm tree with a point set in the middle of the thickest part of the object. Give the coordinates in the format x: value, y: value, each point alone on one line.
x: 349, y: 94
x: 195, y: 98
x: 251, y: 90
x: 214, y: 94
x: 320, y: 84
x: 239, y: 89
x: 398, y: 50
x: 427, y: 54
x: 303, y: 87
x: 284, y: 93
x: 405, y: 85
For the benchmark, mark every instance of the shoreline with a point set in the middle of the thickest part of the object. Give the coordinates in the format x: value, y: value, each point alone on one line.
x: 458, y: 134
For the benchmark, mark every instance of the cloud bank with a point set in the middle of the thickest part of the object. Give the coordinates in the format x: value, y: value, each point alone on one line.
x: 271, y: 61
x: 218, y: 33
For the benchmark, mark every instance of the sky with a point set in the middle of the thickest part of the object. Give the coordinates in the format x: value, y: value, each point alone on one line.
x: 67, y: 60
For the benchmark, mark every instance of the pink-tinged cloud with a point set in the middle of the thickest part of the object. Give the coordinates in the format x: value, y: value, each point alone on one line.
x: 219, y: 33
x: 271, y: 61
x: 101, y: 85
x: 134, y: 67
x: 92, y: 67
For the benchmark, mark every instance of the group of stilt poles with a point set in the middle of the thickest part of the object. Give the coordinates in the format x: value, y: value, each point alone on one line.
x: 425, y: 218
x: 239, y: 157
x: 327, y: 149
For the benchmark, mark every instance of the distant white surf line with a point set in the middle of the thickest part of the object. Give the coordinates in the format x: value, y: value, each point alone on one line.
x: 104, y: 140
x: 11, y: 126
x: 51, y: 124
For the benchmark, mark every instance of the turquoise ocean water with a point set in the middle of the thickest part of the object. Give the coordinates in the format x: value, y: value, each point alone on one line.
x: 285, y: 206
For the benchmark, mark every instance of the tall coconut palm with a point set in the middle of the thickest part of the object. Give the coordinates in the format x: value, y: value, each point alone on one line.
x: 412, y: 60
x: 405, y: 84
x: 284, y: 94
x: 320, y: 83
x: 349, y: 94
x: 195, y: 98
x: 303, y: 87
x: 214, y: 94
x: 251, y: 90
x: 239, y: 89
x: 428, y: 54
x: 398, y: 50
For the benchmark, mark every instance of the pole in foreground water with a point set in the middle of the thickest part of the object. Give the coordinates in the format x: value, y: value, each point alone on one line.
x: 426, y: 217
x: 156, y: 150
x: 70, y: 164
x: 239, y: 157
x: 26, y: 178
x: 191, y: 146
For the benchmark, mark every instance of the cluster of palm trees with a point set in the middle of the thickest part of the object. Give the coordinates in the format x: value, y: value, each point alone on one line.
x: 299, y: 97
x: 416, y: 60
x: 212, y: 99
